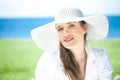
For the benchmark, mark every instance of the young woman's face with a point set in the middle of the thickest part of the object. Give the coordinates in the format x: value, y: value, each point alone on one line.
x: 71, y: 34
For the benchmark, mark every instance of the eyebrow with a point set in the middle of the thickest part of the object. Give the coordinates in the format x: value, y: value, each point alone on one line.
x: 57, y: 26
x: 70, y: 22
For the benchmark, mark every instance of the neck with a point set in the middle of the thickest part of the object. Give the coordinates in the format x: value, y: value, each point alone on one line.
x: 79, y: 53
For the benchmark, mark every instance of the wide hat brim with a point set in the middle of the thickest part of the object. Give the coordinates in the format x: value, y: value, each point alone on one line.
x: 46, y: 36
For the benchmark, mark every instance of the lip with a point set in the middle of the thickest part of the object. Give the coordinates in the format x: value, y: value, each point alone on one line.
x: 68, y: 39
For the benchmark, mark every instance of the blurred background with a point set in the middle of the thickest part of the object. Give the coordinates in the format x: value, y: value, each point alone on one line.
x: 19, y: 54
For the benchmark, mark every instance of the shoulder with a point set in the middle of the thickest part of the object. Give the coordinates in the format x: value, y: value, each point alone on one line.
x: 50, y: 56
x: 103, y: 59
x: 100, y: 56
x: 48, y: 65
x: 104, y: 65
x: 49, y: 61
x: 100, y: 53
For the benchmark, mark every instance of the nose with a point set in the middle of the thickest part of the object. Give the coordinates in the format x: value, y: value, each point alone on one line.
x: 66, y: 32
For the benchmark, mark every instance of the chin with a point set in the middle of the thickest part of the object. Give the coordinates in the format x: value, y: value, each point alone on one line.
x: 68, y: 46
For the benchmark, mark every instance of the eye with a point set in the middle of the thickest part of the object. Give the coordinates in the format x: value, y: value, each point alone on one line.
x: 71, y: 25
x: 59, y: 29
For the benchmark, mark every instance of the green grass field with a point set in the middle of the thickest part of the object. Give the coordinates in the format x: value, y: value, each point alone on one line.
x: 18, y: 58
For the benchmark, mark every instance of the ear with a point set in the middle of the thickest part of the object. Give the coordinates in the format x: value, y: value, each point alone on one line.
x: 85, y: 28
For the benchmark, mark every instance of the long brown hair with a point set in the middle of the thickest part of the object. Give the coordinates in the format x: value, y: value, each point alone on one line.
x: 71, y: 67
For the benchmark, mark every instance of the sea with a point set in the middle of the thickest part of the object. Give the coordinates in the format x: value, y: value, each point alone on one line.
x: 20, y: 27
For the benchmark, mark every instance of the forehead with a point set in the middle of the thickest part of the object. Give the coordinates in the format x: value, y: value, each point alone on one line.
x: 62, y: 24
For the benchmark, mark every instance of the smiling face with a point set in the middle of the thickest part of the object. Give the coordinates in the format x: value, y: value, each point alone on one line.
x: 71, y: 34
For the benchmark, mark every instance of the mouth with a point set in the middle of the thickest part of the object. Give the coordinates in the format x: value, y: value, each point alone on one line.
x: 68, y: 39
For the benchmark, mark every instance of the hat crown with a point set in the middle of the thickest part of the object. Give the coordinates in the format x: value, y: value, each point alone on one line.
x: 69, y: 12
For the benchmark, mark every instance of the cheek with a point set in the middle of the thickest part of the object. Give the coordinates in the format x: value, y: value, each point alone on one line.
x: 78, y: 33
x: 60, y: 37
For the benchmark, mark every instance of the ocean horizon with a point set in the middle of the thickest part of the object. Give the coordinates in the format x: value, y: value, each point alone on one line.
x: 20, y: 27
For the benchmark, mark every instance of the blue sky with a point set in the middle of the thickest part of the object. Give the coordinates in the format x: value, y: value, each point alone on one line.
x: 38, y: 8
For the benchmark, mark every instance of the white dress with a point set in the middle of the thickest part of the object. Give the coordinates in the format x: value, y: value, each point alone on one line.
x: 49, y: 66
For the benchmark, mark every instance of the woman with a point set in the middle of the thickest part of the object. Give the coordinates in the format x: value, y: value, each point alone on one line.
x: 67, y: 54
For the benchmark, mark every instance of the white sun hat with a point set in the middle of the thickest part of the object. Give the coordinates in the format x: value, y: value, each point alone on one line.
x: 46, y: 36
